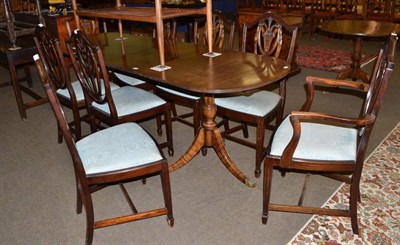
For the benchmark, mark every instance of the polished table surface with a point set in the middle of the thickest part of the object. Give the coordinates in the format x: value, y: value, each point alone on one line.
x: 192, y: 72
x: 358, y: 29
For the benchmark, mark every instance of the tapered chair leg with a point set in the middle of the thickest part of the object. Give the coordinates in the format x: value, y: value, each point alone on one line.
x: 259, y: 146
x: 268, y: 168
x: 165, y: 182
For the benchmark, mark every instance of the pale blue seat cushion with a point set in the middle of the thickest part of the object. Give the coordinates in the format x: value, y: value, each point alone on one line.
x: 76, y: 86
x: 129, y: 80
x: 259, y: 103
x: 317, y: 141
x: 123, y: 146
x: 171, y: 91
x: 129, y: 100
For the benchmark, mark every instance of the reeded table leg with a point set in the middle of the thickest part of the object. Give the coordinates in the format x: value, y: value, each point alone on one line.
x: 210, y: 136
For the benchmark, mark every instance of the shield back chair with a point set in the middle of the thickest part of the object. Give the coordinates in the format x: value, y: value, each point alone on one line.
x: 113, y: 156
x: 328, y: 144
x: 273, y: 37
x: 221, y: 25
x: 321, y: 11
x: 348, y: 10
x: 125, y: 104
x: 379, y: 10
x: 70, y: 94
x: 91, y: 26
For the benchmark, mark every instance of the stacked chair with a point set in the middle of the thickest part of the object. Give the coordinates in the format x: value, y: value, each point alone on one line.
x: 328, y: 144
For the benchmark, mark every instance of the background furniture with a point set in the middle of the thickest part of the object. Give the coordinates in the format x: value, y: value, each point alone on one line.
x: 358, y: 29
x: 14, y: 59
x: 115, y: 155
x: 329, y: 144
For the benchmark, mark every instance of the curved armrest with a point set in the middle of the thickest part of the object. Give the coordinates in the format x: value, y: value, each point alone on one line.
x: 312, y: 81
x: 297, y: 116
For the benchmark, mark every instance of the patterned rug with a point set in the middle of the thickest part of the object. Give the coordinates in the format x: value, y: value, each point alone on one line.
x: 379, y: 210
x: 327, y: 59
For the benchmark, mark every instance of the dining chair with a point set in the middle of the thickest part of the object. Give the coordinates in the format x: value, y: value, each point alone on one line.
x: 112, y: 156
x: 333, y: 145
x: 90, y: 27
x: 125, y: 104
x: 378, y: 10
x: 321, y: 11
x: 348, y: 10
x: 220, y: 25
x: 272, y: 37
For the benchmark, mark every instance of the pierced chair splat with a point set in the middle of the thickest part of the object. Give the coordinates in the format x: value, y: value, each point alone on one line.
x: 272, y: 37
x: 70, y: 94
x: 113, y: 156
x: 112, y: 107
x: 328, y: 144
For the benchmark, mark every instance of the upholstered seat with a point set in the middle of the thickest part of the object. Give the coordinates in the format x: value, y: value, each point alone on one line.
x: 317, y: 141
x: 193, y: 97
x: 125, y: 146
x: 129, y: 80
x: 257, y: 104
x: 76, y: 86
x: 129, y: 100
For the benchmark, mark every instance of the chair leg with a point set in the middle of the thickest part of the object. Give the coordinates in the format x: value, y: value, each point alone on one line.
x: 268, y: 168
x: 77, y: 125
x: 89, y: 219
x: 166, y: 187
x: 168, y: 126
x: 59, y: 134
x: 259, y: 146
x: 245, y: 130
x: 354, y: 195
x: 159, y: 125
x: 79, y: 203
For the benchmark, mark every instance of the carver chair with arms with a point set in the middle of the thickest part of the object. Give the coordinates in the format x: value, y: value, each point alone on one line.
x: 221, y: 25
x: 125, y: 104
x: 273, y: 37
x: 328, y: 144
x: 113, y: 156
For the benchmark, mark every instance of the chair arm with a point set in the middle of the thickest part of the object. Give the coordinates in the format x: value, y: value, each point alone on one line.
x: 297, y: 116
x: 312, y: 81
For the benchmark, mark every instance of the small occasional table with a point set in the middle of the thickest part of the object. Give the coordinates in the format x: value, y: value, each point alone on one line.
x: 359, y: 29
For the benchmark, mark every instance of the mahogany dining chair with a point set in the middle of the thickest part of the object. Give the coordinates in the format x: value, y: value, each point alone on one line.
x: 332, y: 145
x: 125, y: 104
x: 113, y: 156
x: 273, y: 37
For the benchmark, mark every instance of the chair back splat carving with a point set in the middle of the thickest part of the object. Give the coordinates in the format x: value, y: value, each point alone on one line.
x: 69, y: 93
x: 113, y: 106
x: 115, y: 155
x: 269, y: 35
x: 331, y: 145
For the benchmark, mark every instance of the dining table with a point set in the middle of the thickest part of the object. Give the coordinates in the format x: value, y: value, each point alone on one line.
x: 359, y: 30
x: 192, y: 69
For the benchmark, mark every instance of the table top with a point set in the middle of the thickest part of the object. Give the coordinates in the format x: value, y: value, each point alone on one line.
x: 233, y: 71
x: 360, y: 28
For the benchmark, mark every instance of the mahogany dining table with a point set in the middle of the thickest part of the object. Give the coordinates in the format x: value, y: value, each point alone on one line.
x: 359, y: 30
x: 193, y: 72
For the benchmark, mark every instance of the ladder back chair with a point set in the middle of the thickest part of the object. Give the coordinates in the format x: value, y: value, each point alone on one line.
x: 273, y: 37
x: 324, y: 143
x: 221, y: 25
x: 113, y: 156
x: 70, y: 94
x: 124, y: 104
